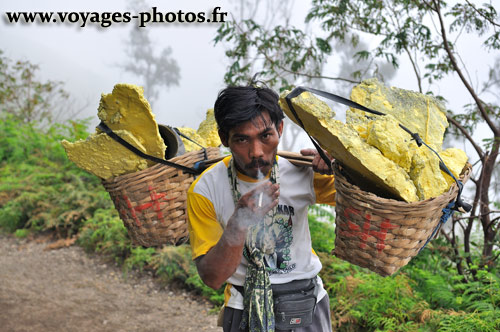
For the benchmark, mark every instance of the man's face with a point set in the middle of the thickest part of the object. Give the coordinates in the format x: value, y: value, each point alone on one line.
x: 254, y: 145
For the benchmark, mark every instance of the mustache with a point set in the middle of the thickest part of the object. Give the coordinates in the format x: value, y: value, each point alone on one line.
x: 257, y: 162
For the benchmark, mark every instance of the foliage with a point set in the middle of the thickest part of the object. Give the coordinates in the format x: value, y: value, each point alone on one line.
x: 175, y: 264
x: 44, y: 190
x: 21, y: 233
x: 27, y: 99
x: 487, y: 321
x: 368, y: 302
x: 322, y: 232
x: 105, y: 233
x: 412, y: 299
x: 139, y: 258
x: 283, y: 51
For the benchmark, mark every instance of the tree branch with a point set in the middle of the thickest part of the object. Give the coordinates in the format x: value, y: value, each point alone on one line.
x: 306, y: 74
x: 478, y: 149
x: 458, y: 261
x: 454, y: 64
x: 482, y: 15
x: 480, y: 215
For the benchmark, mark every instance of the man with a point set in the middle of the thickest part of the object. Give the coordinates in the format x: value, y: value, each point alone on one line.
x: 248, y: 216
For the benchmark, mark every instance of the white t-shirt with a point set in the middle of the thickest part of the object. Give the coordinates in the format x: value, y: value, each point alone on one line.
x: 210, y: 205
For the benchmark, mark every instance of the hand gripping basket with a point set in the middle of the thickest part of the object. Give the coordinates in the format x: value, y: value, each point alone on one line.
x: 152, y: 202
x: 382, y: 234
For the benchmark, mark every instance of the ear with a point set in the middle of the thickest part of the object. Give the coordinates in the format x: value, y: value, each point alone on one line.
x: 223, y: 138
x: 280, y: 128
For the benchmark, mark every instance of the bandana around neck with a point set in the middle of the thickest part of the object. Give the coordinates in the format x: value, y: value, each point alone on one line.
x: 258, y: 312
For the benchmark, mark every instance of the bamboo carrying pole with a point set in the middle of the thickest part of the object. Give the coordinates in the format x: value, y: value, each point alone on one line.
x: 295, y: 158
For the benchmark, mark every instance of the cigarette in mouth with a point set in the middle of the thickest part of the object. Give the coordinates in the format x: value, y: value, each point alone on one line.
x: 260, y: 199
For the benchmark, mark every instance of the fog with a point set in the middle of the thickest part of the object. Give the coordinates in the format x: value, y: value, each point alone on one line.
x: 86, y: 58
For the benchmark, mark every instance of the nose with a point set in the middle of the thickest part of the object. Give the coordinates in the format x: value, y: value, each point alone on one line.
x: 256, y: 150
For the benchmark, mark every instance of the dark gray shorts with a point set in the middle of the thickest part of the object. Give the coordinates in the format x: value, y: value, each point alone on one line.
x: 321, y: 319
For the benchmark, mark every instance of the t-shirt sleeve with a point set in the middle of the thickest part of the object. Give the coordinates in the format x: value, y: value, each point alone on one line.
x: 204, y: 229
x: 324, y: 189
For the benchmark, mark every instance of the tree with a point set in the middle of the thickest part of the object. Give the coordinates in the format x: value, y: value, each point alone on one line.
x: 427, y: 33
x: 30, y: 100
x: 155, y: 70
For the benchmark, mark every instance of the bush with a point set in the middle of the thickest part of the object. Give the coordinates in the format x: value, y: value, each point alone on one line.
x: 43, y: 189
x: 322, y: 234
x: 105, y: 233
x: 175, y: 264
x: 139, y: 258
x: 450, y: 321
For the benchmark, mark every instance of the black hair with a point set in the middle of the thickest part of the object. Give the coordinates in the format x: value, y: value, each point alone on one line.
x: 238, y: 104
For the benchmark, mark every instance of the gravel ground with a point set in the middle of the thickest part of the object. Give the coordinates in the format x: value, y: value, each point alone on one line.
x: 68, y: 290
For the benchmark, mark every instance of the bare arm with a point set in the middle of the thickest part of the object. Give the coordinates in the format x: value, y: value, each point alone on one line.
x: 222, y: 260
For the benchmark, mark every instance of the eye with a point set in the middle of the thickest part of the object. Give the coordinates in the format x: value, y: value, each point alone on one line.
x: 266, y: 136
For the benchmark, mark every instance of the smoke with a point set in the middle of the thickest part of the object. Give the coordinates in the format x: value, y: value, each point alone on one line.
x: 248, y: 216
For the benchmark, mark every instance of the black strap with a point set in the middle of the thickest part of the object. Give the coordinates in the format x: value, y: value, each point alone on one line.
x: 190, y: 139
x: 102, y: 126
x: 298, y: 90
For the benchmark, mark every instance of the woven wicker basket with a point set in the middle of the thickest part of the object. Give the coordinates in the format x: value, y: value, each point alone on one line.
x: 382, y: 234
x: 152, y: 202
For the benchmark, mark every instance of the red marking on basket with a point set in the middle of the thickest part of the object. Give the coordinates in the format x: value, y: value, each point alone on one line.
x: 132, y: 211
x: 365, y: 232
x: 154, y: 203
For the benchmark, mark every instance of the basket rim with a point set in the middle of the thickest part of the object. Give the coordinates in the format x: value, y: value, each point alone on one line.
x: 371, y: 197
x: 159, y: 167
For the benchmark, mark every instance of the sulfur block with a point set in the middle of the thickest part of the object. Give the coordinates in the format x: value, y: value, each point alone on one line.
x: 420, y: 113
x: 127, y: 109
x: 385, y: 134
x: 100, y: 155
x: 426, y: 174
x: 421, y: 164
x: 193, y: 135
x: 343, y: 142
x: 208, y: 130
x: 455, y: 159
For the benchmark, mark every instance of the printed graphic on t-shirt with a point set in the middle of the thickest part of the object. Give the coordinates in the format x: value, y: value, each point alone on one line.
x: 281, y: 237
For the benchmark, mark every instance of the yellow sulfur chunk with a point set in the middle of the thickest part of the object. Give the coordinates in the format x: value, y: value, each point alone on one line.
x: 420, y: 113
x: 208, y: 130
x: 420, y: 163
x: 455, y: 159
x: 100, y: 155
x: 395, y: 144
x: 426, y: 174
x: 192, y: 134
x: 127, y: 109
x: 345, y: 145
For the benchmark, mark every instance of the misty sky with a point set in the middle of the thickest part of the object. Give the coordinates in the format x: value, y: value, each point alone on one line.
x: 86, y: 58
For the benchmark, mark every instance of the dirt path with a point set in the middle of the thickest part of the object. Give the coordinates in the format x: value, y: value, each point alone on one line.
x: 67, y: 290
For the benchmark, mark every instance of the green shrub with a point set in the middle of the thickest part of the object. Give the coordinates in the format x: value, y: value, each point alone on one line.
x: 175, y: 264
x: 44, y: 190
x: 105, y: 233
x: 435, y: 289
x: 322, y: 233
x: 450, y: 321
x: 372, y: 302
x: 21, y: 233
x: 139, y: 258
